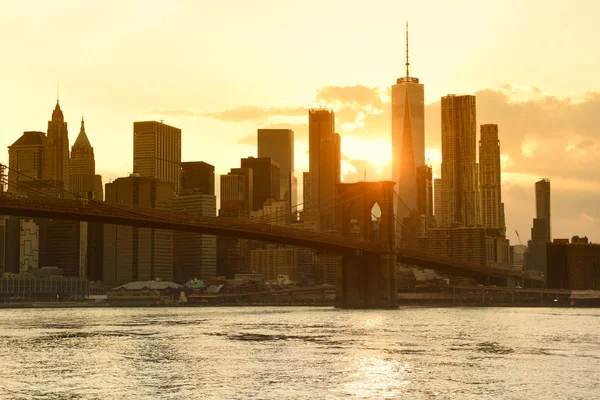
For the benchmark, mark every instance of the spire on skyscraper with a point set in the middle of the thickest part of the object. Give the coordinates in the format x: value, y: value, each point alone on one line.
x: 407, y: 63
x: 82, y: 140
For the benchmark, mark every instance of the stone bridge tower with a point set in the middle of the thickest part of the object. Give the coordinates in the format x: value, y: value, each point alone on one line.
x: 367, y: 280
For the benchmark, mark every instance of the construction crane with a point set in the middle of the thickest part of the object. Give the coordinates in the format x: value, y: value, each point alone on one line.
x: 519, y: 237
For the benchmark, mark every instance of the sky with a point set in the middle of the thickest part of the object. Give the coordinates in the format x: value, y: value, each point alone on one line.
x: 221, y: 70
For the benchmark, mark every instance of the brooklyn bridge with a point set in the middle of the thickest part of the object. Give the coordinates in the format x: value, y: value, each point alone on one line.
x: 366, y: 279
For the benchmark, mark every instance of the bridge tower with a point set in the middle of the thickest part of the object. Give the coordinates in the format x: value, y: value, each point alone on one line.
x: 367, y: 280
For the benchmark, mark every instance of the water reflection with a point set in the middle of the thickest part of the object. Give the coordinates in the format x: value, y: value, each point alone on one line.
x: 298, y: 353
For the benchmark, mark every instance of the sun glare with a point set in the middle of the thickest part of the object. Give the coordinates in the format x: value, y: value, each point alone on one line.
x: 377, y: 152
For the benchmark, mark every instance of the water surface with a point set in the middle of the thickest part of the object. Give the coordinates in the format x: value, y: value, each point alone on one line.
x: 299, y: 353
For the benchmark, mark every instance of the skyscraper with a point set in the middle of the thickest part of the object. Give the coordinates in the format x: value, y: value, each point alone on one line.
x: 83, y: 166
x: 460, y: 194
x: 279, y: 145
x: 408, y: 139
x: 157, y: 152
x: 542, y: 204
x: 56, y: 159
x: 425, y: 193
x: 437, y: 196
x: 26, y: 155
x: 195, y: 255
x: 324, y: 167
x: 490, y: 179
x: 266, y: 179
x: 536, y: 254
x: 134, y: 253
x: 198, y: 175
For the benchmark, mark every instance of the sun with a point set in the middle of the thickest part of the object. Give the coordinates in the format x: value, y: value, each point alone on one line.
x: 376, y: 152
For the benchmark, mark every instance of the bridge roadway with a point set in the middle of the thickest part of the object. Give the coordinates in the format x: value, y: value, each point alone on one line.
x: 93, y: 211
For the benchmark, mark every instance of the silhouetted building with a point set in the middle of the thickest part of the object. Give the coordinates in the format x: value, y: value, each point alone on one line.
x: 279, y: 145
x: 236, y: 202
x: 157, y: 152
x: 542, y: 205
x: 492, y: 208
x: 265, y: 180
x: 425, y: 194
x: 3, y: 220
x: 83, y: 167
x: 198, y: 175
x: 65, y: 245
x: 56, y: 158
x: 466, y: 244
x: 26, y: 156
x: 324, y: 167
x: 195, y: 255
x: 437, y: 195
x: 536, y: 255
x: 273, y: 261
x: 98, y: 188
x: 134, y: 253
x: 408, y: 141
x: 460, y: 193
x: 574, y: 266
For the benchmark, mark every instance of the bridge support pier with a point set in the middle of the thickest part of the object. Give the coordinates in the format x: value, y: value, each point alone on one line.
x: 367, y: 281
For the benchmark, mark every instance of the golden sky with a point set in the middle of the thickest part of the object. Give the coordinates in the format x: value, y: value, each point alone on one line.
x: 221, y: 69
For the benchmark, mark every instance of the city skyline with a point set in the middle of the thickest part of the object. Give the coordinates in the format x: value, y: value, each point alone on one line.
x: 529, y: 145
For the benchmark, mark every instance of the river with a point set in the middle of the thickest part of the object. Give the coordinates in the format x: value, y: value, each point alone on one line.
x: 299, y: 353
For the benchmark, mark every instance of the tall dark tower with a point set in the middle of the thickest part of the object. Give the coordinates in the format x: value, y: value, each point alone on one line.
x: 56, y: 162
x: 83, y: 165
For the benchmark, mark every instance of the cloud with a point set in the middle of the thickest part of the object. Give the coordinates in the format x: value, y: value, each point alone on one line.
x: 253, y: 113
x: 360, y: 96
x: 249, y: 140
x: 588, y: 218
x: 175, y: 112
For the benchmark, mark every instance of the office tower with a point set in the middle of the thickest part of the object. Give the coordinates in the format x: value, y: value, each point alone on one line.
x: 195, y: 255
x: 329, y: 176
x: 466, y: 244
x: 3, y: 221
x: 305, y: 192
x: 408, y: 140
x: 535, y: 257
x: 26, y: 155
x: 157, y: 152
x: 64, y: 244
x: 266, y: 179
x: 324, y: 167
x: 56, y: 159
x: 275, y: 212
x: 492, y: 213
x: 28, y: 246
x: 437, y: 193
x: 425, y: 193
x: 542, y: 204
x: 98, y: 188
x: 279, y: 145
x: 236, y: 202
x: 133, y: 253
x: 573, y: 266
x: 198, y: 175
x: 460, y: 194
x: 273, y: 262
x: 83, y: 166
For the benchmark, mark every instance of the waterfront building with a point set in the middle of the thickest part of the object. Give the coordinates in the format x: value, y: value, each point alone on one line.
x: 408, y: 140
x: 134, y: 253
x: 157, y: 152
x: 265, y: 179
x: 460, y: 192
x: 278, y: 144
x: 573, y: 266
x: 274, y: 261
x: 198, y: 175
x: 466, y: 244
x: 195, y: 255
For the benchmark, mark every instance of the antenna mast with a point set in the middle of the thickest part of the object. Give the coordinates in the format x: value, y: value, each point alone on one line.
x: 407, y: 63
